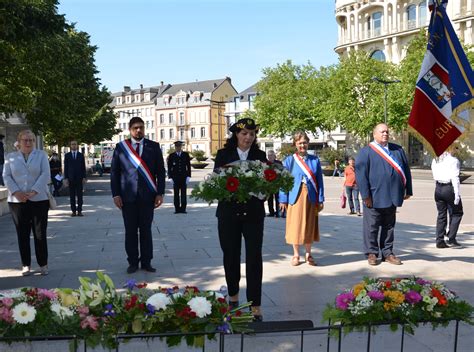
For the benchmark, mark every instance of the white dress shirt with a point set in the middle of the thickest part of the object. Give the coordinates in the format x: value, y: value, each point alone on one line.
x: 446, y: 169
x: 26, y: 176
x: 243, y: 155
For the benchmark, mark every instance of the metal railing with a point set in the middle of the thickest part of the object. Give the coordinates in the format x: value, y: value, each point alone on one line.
x: 302, y: 329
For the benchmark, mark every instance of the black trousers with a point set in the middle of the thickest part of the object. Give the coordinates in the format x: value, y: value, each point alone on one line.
x: 231, y: 231
x: 273, y: 206
x: 75, y: 190
x: 379, y: 220
x: 31, y: 216
x: 444, y: 198
x: 179, y: 189
x: 137, y: 218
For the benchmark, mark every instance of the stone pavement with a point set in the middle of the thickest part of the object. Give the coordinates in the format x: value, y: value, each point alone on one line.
x: 187, y: 252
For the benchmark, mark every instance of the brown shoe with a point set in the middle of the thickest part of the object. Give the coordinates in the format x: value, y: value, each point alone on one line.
x: 393, y: 260
x: 372, y: 259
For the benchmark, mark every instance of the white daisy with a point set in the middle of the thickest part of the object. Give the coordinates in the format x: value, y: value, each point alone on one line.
x: 23, y: 313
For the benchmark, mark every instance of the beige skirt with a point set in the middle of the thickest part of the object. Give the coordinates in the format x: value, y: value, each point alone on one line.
x: 302, y: 220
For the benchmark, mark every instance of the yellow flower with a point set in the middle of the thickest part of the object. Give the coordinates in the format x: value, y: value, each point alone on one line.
x: 395, y: 298
x: 68, y: 300
x: 357, y: 288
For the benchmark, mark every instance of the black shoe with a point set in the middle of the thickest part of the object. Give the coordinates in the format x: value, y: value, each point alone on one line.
x: 233, y: 304
x: 80, y: 214
x: 73, y: 213
x: 132, y: 269
x: 258, y: 318
x: 442, y: 245
x: 183, y: 212
x: 454, y: 244
x: 271, y: 215
x: 149, y: 268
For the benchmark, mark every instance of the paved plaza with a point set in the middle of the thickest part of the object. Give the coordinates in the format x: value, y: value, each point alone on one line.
x: 187, y: 252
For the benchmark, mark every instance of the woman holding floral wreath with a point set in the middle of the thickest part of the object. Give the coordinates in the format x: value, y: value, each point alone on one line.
x: 303, y: 203
x: 242, y: 219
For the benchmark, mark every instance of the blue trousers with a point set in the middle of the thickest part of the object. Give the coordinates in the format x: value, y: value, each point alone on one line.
x: 375, y: 221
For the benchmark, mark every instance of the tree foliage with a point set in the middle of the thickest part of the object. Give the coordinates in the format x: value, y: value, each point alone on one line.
x: 51, y: 75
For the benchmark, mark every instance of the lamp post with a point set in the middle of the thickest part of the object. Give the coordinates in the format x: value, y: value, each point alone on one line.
x: 219, y: 104
x: 385, y: 83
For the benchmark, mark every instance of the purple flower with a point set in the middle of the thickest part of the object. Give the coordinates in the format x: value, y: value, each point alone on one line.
x: 151, y: 309
x: 376, y: 295
x: 224, y: 328
x: 422, y: 282
x: 413, y: 297
x: 109, y: 311
x: 131, y: 284
x: 343, y: 300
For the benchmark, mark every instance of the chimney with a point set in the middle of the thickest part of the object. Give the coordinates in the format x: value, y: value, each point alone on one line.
x: 162, y: 82
x: 141, y: 86
x: 126, y: 88
x: 215, y: 85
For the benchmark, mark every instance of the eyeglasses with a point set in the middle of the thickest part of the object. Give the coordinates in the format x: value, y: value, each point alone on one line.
x: 27, y: 140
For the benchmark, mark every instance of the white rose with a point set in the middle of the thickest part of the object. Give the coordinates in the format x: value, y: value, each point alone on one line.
x: 158, y: 300
x: 201, y: 306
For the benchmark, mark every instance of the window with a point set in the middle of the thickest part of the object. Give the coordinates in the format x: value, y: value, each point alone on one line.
x: 147, y: 125
x: 128, y: 99
x: 171, y: 133
x: 251, y: 100
x: 162, y: 134
x: 162, y: 118
x: 152, y: 136
x: 170, y: 118
x: 411, y: 16
x: 193, y: 132
x: 181, y: 133
x: 378, y: 55
x: 119, y: 100
x: 137, y: 98
x: 422, y: 14
x: 181, y: 118
x: 203, y: 132
x: 377, y: 23
x: 236, y: 103
x: 152, y: 122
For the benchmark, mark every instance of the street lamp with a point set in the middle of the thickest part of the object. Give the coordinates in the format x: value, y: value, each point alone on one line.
x: 219, y: 104
x: 385, y: 83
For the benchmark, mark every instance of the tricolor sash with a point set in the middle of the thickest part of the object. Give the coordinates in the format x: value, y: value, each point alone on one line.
x: 307, y: 171
x: 139, y: 163
x: 389, y: 159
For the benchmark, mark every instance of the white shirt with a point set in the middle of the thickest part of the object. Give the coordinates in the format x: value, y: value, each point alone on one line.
x: 134, y: 145
x: 446, y: 169
x: 243, y: 155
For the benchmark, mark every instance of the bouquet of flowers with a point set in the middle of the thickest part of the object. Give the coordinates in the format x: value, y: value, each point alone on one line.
x: 97, y: 312
x: 241, y: 180
x: 407, y: 301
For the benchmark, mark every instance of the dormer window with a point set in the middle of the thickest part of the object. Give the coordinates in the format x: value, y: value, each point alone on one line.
x: 119, y: 100
x: 128, y: 99
x: 137, y: 98
x: 147, y: 97
x: 166, y: 99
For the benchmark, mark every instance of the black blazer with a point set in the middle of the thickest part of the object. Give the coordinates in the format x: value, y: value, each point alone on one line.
x: 179, y: 166
x: 254, y: 208
x: 74, y: 170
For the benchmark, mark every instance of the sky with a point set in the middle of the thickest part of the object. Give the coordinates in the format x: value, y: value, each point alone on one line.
x: 178, y: 41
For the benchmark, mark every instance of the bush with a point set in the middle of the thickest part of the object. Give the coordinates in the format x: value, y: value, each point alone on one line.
x: 330, y: 155
x: 199, y: 155
x: 286, y: 150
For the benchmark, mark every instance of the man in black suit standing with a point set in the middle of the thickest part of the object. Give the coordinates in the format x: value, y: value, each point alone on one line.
x: 179, y: 170
x: 137, y: 179
x: 75, y: 177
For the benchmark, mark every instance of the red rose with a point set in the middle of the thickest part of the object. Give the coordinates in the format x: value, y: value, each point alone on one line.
x: 388, y: 284
x: 232, y: 184
x: 270, y: 175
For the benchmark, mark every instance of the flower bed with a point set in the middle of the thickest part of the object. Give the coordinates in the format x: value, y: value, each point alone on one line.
x: 241, y: 180
x: 407, y: 301
x: 97, y: 312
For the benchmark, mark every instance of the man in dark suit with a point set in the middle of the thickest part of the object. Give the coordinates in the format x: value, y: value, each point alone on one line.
x: 2, y: 159
x: 179, y: 170
x: 384, y: 180
x: 137, y: 178
x: 75, y: 177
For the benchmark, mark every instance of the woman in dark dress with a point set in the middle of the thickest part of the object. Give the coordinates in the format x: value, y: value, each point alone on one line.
x: 242, y: 219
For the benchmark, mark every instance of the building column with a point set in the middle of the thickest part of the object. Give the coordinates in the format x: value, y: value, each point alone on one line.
x: 356, y: 25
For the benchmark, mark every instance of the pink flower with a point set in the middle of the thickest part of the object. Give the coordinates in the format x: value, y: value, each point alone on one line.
x: 7, y: 302
x: 47, y: 293
x: 376, y: 295
x: 413, y: 297
x: 343, y: 300
x: 83, y: 311
x: 6, y: 314
x: 90, y: 322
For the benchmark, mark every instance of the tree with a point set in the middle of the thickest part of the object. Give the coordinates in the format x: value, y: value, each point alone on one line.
x: 292, y: 97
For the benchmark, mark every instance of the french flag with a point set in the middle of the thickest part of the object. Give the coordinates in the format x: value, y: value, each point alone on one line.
x: 444, y: 88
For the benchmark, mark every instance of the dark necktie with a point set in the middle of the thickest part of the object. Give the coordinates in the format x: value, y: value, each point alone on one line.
x: 74, y: 155
x: 137, y: 148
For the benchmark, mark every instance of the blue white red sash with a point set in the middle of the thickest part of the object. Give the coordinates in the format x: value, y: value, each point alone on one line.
x: 138, y: 162
x: 307, y: 171
x: 389, y: 159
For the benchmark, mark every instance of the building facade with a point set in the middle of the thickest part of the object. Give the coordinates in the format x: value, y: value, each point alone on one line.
x: 190, y: 112
x: 383, y: 28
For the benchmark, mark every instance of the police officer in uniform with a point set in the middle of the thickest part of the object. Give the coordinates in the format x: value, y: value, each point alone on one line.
x: 179, y: 170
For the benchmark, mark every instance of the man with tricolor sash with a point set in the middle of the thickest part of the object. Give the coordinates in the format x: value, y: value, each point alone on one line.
x: 384, y: 180
x: 137, y: 179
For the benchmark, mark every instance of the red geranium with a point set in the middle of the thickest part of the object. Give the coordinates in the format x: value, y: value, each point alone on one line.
x: 270, y: 175
x: 232, y: 184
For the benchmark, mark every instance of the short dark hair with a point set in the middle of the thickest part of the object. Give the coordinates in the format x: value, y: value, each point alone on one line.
x: 135, y: 120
